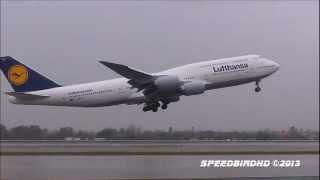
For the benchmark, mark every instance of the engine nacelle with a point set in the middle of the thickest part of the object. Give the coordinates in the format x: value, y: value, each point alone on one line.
x: 193, y: 88
x: 168, y: 84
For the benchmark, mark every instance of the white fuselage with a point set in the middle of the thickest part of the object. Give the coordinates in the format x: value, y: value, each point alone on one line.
x: 215, y: 73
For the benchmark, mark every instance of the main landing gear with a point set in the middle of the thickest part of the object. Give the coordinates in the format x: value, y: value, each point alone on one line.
x: 164, y: 106
x: 257, y: 89
x: 154, y: 106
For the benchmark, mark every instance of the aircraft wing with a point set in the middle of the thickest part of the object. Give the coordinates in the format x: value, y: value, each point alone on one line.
x: 137, y: 78
x: 26, y: 96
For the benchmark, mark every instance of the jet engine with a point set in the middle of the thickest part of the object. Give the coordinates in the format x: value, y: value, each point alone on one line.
x: 168, y: 84
x: 193, y: 88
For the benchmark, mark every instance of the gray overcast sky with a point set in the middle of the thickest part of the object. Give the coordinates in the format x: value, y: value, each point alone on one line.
x: 65, y: 40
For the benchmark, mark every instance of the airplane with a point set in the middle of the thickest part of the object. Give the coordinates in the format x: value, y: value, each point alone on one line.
x: 154, y: 90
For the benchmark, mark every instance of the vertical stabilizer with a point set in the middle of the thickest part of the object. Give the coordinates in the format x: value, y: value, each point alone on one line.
x: 22, y: 78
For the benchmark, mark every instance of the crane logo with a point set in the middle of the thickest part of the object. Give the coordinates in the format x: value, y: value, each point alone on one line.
x: 18, y: 75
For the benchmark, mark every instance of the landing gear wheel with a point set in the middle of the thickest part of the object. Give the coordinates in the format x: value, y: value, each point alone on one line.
x: 155, y: 109
x: 164, y: 106
x: 257, y: 89
x: 145, y: 109
x: 151, y: 106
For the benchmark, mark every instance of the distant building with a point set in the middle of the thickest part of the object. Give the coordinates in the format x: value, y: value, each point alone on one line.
x: 72, y: 139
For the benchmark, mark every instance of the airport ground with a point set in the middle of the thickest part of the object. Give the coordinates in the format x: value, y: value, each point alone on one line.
x: 157, y: 147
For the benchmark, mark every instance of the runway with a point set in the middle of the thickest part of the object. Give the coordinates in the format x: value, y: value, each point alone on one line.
x: 154, y: 159
x: 156, y: 147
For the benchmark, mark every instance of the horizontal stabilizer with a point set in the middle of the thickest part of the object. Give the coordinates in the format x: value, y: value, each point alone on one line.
x: 26, y: 96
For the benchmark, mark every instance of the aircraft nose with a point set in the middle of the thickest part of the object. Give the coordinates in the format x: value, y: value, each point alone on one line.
x: 275, y: 65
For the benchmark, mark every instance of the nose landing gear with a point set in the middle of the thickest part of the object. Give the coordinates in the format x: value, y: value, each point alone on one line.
x: 257, y: 89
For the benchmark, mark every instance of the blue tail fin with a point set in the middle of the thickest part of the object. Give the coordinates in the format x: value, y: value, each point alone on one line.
x: 22, y: 78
